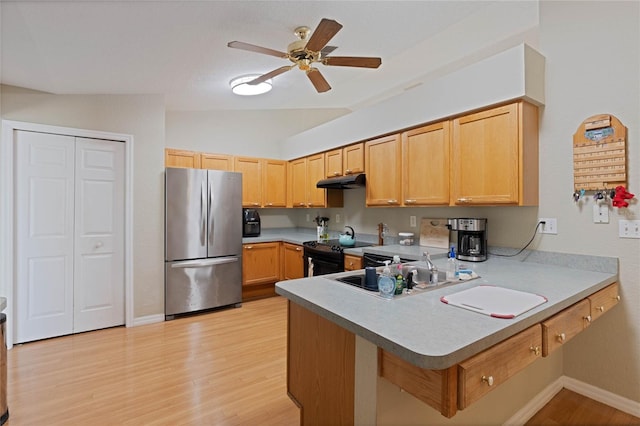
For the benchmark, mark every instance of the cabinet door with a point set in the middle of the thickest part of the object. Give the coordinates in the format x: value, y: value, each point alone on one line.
x: 292, y: 261
x: 315, y: 172
x: 274, y: 189
x: 352, y: 263
x: 216, y: 162
x: 260, y: 263
x: 298, y: 182
x: 353, y: 159
x: 181, y: 158
x: 333, y: 163
x: 251, y: 169
x: 425, y: 165
x: 485, y: 157
x: 383, y: 166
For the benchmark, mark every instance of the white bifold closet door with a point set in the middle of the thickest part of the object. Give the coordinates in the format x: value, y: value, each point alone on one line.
x: 69, y: 226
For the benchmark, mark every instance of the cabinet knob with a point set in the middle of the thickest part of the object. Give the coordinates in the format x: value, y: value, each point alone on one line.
x: 298, y: 249
x: 336, y: 173
x: 269, y: 204
x: 617, y: 298
x: 301, y: 204
x: 256, y: 204
x: 464, y: 200
x: 348, y: 171
x: 98, y: 244
x: 588, y: 318
x: 488, y: 380
x: 535, y: 350
x: 600, y: 308
x: 248, y: 247
x: 410, y: 201
x: 392, y: 201
x: 561, y: 337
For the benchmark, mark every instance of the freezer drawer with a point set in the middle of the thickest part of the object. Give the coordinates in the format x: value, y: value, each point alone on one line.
x: 194, y: 285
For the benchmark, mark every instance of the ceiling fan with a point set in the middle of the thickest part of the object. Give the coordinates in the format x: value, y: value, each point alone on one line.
x: 307, y: 51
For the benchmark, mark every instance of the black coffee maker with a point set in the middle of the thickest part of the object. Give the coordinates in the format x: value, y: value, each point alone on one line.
x: 472, y: 238
x: 250, y: 223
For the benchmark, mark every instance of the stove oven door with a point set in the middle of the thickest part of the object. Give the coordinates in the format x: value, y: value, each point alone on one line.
x: 317, y: 265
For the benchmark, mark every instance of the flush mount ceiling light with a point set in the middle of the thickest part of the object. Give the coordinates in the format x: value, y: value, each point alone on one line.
x: 240, y: 86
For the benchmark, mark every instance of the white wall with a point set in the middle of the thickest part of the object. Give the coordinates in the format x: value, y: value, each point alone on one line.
x: 143, y: 117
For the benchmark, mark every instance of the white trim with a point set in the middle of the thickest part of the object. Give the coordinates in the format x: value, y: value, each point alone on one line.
x: 609, y: 398
x: 6, y: 209
x: 149, y: 319
x: 605, y: 397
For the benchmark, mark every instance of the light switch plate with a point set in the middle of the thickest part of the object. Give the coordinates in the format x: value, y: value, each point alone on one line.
x: 601, y: 213
x: 337, y: 217
x: 629, y: 228
x: 412, y: 221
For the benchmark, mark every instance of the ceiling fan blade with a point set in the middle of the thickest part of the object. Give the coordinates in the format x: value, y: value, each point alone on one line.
x: 352, y: 61
x: 257, y: 49
x: 325, y: 31
x: 267, y: 76
x: 318, y: 81
x: 327, y: 50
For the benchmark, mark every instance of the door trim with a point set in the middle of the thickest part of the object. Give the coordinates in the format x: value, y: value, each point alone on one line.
x: 7, y: 273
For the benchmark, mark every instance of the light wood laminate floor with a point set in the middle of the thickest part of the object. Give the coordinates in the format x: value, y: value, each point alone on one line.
x: 223, y: 368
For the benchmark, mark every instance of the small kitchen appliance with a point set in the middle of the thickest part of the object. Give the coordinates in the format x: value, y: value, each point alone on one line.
x: 250, y: 223
x: 472, y: 238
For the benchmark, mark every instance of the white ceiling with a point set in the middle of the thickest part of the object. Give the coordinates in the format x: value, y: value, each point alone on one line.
x: 179, y: 48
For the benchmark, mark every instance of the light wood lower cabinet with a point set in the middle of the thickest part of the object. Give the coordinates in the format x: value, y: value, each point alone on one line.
x: 564, y: 326
x: 484, y: 372
x: 260, y: 269
x: 320, y: 368
x: 352, y: 263
x: 292, y: 261
x: 604, y: 300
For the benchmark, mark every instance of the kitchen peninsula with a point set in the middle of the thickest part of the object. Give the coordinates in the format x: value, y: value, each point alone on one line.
x: 344, y: 343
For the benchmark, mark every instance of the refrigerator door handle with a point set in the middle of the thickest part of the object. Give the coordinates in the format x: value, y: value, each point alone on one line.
x: 204, y: 262
x: 210, y: 219
x: 203, y: 214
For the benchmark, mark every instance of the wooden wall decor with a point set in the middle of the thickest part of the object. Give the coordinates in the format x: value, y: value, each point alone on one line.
x: 600, y: 154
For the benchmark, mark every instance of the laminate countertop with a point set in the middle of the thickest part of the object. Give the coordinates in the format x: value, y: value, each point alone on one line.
x: 431, y: 334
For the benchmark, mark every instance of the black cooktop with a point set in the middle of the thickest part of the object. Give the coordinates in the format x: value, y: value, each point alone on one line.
x: 333, y: 245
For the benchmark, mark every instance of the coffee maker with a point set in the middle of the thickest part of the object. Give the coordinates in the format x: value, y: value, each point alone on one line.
x: 472, y: 238
x: 250, y: 223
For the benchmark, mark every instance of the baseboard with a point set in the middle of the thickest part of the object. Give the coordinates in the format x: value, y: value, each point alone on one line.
x: 535, y: 404
x: 149, y: 319
x: 611, y: 399
x: 590, y: 391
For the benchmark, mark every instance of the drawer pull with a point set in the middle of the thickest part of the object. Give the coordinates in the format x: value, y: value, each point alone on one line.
x: 561, y: 337
x: 535, y: 350
x: 392, y: 201
x: 410, y: 201
x: 600, y: 308
x: 464, y: 200
x: 588, y: 318
x: 488, y: 380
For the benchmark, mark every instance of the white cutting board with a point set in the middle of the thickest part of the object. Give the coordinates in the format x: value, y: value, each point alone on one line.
x: 434, y: 233
x: 498, y: 302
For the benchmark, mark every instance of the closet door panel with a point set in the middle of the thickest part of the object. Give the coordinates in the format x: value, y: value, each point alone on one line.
x: 99, y: 231
x: 44, y: 235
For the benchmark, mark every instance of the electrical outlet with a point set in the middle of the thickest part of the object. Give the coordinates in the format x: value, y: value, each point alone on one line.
x: 629, y: 228
x: 337, y: 217
x: 308, y: 217
x: 601, y: 213
x: 412, y: 221
x: 550, y: 225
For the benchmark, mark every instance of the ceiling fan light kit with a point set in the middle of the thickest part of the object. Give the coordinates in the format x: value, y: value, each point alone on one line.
x: 308, y: 51
x: 245, y: 86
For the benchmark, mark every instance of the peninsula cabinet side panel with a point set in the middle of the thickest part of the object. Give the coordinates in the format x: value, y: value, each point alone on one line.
x: 320, y: 368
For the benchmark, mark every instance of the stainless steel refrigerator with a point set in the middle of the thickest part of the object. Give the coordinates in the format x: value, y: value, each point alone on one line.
x: 203, y: 240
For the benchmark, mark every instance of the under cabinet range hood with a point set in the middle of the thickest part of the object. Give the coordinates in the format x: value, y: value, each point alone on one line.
x: 343, y: 182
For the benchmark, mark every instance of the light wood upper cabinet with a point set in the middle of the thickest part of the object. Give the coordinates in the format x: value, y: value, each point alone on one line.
x: 495, y: 156
x: 216, y: 162
x: 260, y: 263
x: 304, y: 174
x: 425, y: 165
x: 383, y: 167
x: 345, y: 161
x: 353, y: 159
x: 333, y: 163
x: 251, y: 169
x: 274, y: 188
x: 181, y: 158
x: 292, y: 261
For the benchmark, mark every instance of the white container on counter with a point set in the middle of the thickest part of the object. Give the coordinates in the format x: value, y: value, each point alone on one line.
x: 405, y: 238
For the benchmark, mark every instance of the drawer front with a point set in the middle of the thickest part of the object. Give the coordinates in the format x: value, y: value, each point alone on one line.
x: 563, y: 326
x: 482, y: 373
x: 604, y: 300
x: 352, y: 263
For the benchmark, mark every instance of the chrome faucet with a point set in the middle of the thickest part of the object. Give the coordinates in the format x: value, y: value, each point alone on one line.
x: 426, y: 257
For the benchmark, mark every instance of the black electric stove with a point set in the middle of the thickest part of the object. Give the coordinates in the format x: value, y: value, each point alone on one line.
x: 326, y: 257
